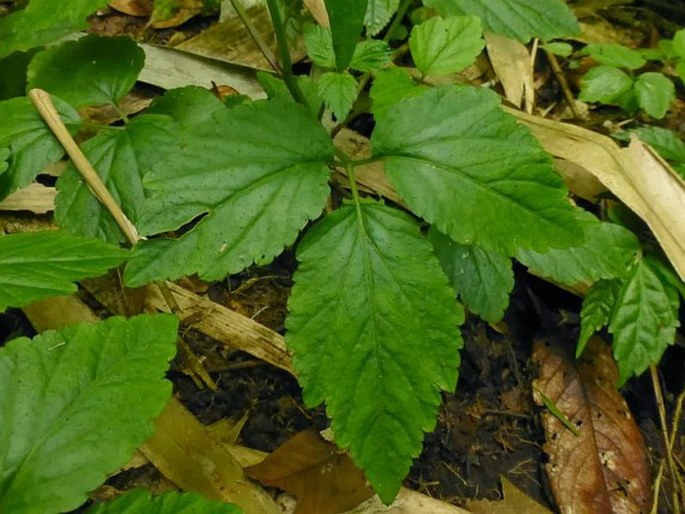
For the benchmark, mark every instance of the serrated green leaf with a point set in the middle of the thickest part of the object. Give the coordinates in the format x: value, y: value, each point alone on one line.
x: 598, y: 305
x: 517, y: 19
x: 339, y: 91
x: 41, y: 22
x: 604, y: 84
x: 558, y: 48
x: 75, y: 405
x: 378, y: 14
x: 258, y: 171
x: 440, y: 46
x: 319, y: 43
x: 612, y: 54
x: 390, y: 86
x: 121, y: 158
x: 31, y: 143
x: 36, y: 265
x: 655, y: 93
x: 606, y: 252
x: 373, y: 328
x: 94, y: 70
x: 470, y: 169
x: 140, y: 501
x: 276, y: 89
x: 371, y: 54
x: 643, y: 321
x: 482, y: 279
x: 346, y: 19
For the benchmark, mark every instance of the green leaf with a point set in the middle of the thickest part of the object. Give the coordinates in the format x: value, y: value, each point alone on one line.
x: 140, y: 501
x: 680, y: 70
x: 13, y: 76
x: 612, y: 54
x: 378, y: 14
x: 31, y: 143
x: 389, y: 87
x: 4, y: 156
x: 346, y: 19
x: 121, y: 158
x: 664, y: 141
x: 604, y: 84
x: 373, y: 328
x: 517, y: 19
x: 483, y: 279
x: 471, y: 170
x: 643, y: 321
x: 319, y: 43
x: 40, y: 23
x: 94, y: 70
x: 276, y: 89
x: 36, y: 265
x: 655, y: 93
x: 259, y: 171
x: 76, y: 404
x: 678, y: 44
x: 371, y: 54
x: 440, y: 46
x: 598, y: 305
x: 558, y: 48
x: 189, y: 106
x: 339, y: 91
x: 606, y: 252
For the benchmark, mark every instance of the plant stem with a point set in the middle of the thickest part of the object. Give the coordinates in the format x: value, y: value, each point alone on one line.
x: 399, y: 16
x: 254, y: 34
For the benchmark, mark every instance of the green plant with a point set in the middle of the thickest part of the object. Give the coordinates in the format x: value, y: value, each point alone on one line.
x: 373, y: 321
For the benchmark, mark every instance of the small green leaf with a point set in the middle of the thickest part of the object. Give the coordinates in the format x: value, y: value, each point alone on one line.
x: 36, y: 265
x: 346, y: 19
x: 678, y: 44
x: 319, y: 44
x: 598, y: 305
x: 378, y: 14
x: 76, y: 404
x: 517, y: 19
x: 31, y: 143
x: 371, y: 54
x: 440, y: 46
x: 655, y: 93
x: 339, y: 91
x: 607, y: 252
x: 680, y: 70
x: 604, y: 84
x: 276, y: 89
x: 471, y: 170
x: 94, y: 70
x: 558, y: 48
x: 140, y: 501
x: 390, y: 86
x: 643, y: 321
x: 556, y: 412
x: 482, y: 279
x: 612, y: 54
x: 373, y: 328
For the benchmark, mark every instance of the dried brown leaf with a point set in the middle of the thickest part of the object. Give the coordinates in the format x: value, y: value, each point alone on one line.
x: 514, y: 500
x: 139, y: 8
x: 514, y: 68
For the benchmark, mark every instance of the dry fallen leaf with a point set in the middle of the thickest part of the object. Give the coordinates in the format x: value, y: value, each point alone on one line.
x: 603, y: 468
x: 324, y: 480
x: 514, y: 68
x: 139, y: 8
x: 515, y: 501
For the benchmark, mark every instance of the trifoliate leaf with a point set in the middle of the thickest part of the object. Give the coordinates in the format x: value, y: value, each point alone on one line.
x: 94, y: 70
x: 471, y: 170
x: 440, y: 46
x: 339, y: 91
x: 373, y: 328
x: 371, y: 54
x: 643, y: 321
x: 121, y: 158
x: 604, y: 84
x: 517, y: 19
x: 36, y: 265
x: 42, y: 22
x: 258, y: 171
x: 319, y: 43
x: 606, y: 252
x: 390, y: 86
x: 483, y: 279
x: 612, y: 54
x: 598, y: 305
x: 558, y: 48
x: 31, y: 143
x: 346, y: 19
x: 655, y: 93
x: 140, y: 501
x: 378, y: 14
x: 76, y: 404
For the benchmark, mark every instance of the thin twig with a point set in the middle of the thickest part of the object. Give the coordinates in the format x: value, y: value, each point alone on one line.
x: 255, y: 35
x: 559, y: 75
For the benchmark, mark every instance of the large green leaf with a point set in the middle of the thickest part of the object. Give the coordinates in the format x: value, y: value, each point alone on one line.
x: 36, y: 265
x: 346, y: 19
x: 258, y: 171
x: 598, y: 305
x: 471, y: 170
x: 140, y: 501
x: 373, y: 328
x: 94, y: 70
x: 121, y: 157
x: 75, y: 404
x: 517, y: 19
x: 606, y: 252
x: 378, y: 14
x: 31, y: 143
x: 643, y: 321
x: 42, y: 21
x: 483, y: 279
